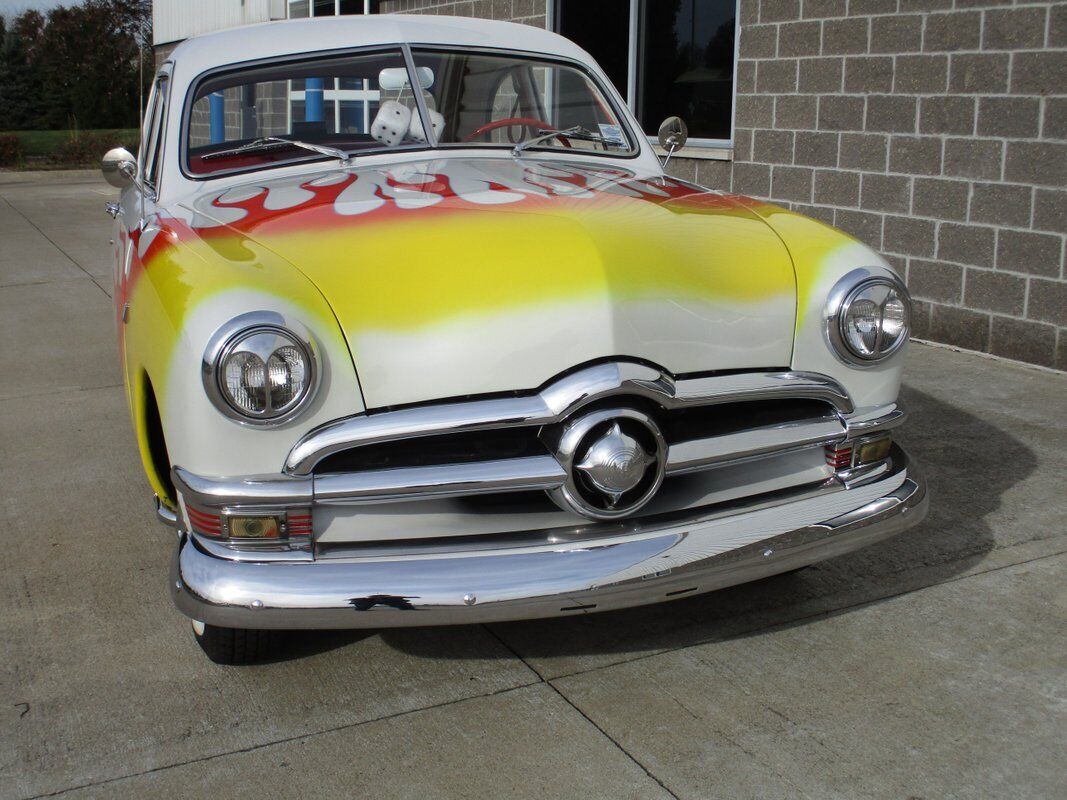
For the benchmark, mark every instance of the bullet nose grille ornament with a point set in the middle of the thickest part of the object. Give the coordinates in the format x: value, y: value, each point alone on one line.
x: 614, y: 461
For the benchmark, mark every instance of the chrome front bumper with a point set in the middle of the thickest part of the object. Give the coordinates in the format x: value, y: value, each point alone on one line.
x: 647, y: 563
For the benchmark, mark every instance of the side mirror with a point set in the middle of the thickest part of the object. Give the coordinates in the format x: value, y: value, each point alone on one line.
x: 119, y: 167
x: 673, y: 134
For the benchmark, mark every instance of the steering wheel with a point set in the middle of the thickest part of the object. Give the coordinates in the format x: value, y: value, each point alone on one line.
x: 508, y: 122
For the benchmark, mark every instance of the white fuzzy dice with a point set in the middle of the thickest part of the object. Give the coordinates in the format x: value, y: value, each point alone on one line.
x: 416, y: 132
x: 391, y: 124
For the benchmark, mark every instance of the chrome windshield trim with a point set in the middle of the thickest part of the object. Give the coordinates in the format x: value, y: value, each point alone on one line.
x: 556, y: 401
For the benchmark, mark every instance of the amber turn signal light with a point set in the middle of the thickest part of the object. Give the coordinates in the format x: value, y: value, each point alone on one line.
x: 254, y: 527
x: 869, y: 451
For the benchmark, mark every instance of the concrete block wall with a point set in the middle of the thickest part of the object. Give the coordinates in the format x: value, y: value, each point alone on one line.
x: 933, y: 130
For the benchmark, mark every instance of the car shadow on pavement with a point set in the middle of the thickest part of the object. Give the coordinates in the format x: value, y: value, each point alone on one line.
x: 968, y: 463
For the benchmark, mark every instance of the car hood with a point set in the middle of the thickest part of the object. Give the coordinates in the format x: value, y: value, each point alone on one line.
x: 459, y: 276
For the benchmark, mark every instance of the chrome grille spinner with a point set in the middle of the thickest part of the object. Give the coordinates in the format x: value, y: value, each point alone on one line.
x: 614, y: 459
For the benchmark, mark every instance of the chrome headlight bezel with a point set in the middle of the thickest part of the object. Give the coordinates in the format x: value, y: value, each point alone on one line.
x: 228, y: 340
x: 841, y: 297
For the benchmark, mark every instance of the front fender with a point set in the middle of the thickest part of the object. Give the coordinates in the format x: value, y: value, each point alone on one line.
x: 821, y: 256
x: 189, y: 285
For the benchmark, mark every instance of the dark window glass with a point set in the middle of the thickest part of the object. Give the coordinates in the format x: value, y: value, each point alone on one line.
x: 601, y: 27
x: 351, y: 6
x: 324, y: 8
x: 685, y: 59
x: 686, y: 65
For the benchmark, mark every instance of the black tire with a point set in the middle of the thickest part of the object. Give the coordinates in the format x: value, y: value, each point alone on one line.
x: 237, y: 646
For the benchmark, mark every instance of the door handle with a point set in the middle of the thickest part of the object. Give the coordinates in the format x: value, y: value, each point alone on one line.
x: 114, y: 209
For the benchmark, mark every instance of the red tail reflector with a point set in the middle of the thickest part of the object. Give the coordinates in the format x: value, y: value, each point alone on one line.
x: 839, y: 456
x: 298, y: 524
x: 202, y: 522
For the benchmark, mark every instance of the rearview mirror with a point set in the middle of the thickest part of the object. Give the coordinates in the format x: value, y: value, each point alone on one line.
x: 394, y: 78
x: 119, y: 167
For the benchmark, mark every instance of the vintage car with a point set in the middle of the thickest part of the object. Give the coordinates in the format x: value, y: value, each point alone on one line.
x: 416, y: 331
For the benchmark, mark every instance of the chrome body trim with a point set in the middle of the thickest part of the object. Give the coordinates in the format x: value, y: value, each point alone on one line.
x: 558, y: 400
x: 885, y: 422
x: 166, y: 515
x: 674, y: 559
x: 699, y: 454
x: 450, y: 480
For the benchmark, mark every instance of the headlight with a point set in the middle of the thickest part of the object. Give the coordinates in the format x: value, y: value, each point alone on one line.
x: 868, y: 317
x: 259, y: 373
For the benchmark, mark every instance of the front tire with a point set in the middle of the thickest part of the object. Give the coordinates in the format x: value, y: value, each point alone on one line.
x: 235, y: 646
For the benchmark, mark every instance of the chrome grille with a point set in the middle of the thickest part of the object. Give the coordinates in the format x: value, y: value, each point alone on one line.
x: 475, y: 447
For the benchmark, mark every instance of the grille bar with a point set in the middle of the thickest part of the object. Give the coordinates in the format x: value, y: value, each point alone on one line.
x: 559, y: 400
x: 446, y: 480
x: 698, y: 454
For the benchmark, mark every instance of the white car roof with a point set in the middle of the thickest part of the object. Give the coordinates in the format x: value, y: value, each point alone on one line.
x: 293, y: 37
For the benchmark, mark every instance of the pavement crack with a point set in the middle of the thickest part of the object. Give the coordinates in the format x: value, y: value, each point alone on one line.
x: 52, y: 242
x: 629, y: 756
x: 284, y: 740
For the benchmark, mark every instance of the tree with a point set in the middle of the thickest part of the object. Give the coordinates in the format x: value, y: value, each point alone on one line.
x: 76, y: 68
x: 20, y: 82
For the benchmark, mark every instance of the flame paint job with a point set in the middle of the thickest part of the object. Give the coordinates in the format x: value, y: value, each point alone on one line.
x: 465, y: 276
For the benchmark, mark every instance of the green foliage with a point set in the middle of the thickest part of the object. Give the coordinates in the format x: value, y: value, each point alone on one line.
x: 68, y: 148
x: 10, y: 151
x: 86, y: 148
x: 77, y: 67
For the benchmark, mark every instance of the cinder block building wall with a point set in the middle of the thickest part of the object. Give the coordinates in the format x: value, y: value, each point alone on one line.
x: 933, y: 130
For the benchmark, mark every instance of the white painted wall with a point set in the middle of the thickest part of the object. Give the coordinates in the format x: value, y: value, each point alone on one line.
x: 173, y: 20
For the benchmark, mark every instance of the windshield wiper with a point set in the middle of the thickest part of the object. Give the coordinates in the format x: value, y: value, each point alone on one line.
x: 577, y: 132
x: 275, y: 142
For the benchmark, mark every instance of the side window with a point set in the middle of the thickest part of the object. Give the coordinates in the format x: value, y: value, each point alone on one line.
x: 153, y: 145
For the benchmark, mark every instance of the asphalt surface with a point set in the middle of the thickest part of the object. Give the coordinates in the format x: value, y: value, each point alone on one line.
x: 931, y: 665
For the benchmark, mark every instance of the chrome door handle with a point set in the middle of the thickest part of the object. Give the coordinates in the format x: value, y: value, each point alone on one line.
x: 114, y: 209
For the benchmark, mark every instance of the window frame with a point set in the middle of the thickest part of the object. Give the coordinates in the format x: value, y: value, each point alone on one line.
x: 632, y: 55
x: 336, y: 9
x: 194, y: 86
x: 151, y: 163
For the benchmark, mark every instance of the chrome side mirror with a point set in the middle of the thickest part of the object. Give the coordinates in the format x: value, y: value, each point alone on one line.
x: 119, y: 168
x: 673, y: 134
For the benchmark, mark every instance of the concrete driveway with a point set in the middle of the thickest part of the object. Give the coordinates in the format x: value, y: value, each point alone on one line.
x: 932, y: 665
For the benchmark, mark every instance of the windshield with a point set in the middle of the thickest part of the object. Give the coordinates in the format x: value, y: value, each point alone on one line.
x: 275, y: 114
x: 494, y: 100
